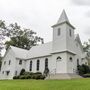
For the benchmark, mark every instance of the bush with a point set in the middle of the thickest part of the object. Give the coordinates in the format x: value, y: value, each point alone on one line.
x: 37, y: 76
x: 38, y: 73
x: 86, y: 75
x: 46, y: 71
x: 16, y: 77
x: 83, y: 69
x: 42, y: 77
x: 22, y: 72
x: 28, y: 77
x: 22, y: 77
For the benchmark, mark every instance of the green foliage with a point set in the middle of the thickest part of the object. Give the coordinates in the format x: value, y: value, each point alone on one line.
x: 22, y: 77
x: 19, y: 37
x: 86, y: 75
x: 46, y: 71
x: 22, y: 72
x: 83, y: 69
x: 86, y: 46
x: 16, y: 77
x: 22, y: 38
x: 30, y: 75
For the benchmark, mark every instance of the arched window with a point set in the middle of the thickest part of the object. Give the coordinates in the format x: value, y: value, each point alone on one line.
x: 46, y: 63
x: 4, y: 62
x: 59, y: 32
x: 38, y: 63
x: 71, y: 59
x: 20, y: 62
x: 30, y: 65
x: 59, y: 58
x: 70, y: 32
x: 9, y: 62
x: 77, y: 62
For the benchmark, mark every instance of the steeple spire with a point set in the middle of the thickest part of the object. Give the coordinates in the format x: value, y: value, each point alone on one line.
x: 63, y: 18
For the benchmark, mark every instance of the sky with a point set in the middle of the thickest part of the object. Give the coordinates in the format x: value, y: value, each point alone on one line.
x: 40, y: 15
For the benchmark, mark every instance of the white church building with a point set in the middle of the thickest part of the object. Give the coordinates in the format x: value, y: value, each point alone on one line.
x: 61, y: 56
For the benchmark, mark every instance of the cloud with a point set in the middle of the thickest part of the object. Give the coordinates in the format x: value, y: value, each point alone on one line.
x: 81, y: 2
x: 87, y: 31
x: 87, y: 14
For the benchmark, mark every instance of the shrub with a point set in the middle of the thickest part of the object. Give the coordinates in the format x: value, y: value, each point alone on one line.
x: 16, y: 77
x: 22, y: 77
x: 37, y: 76
x: 22, y: 72
x: 42, y: 77
x: 28, y: 77
x: 38, y: 73
x: 86, y: 75
x: 46, y: 71
x: 83, y: 69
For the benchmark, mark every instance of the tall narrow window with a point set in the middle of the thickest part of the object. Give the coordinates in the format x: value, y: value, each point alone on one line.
x: 38, y: 62
x: 70, y: 59
x: 59, y: 32
x: 20, y: 62
x: 30, y: 65
x: 70, y: 32
x: 46, y: 63
x: 9, y: 62
x: 4, y: 62
x: 77, y: 62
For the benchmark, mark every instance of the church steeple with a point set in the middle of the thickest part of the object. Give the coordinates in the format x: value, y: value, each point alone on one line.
x: 63, y: 18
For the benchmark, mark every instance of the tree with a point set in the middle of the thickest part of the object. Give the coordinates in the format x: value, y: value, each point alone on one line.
x: 22, y: 38
x: 22, y: 72
x: 86, y: 46
x: 46, y: 71
x: 2, y: 34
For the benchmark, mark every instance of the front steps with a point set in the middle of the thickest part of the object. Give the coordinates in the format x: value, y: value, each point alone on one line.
x: 63, y: 76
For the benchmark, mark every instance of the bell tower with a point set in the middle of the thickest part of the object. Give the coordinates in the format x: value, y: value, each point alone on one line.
x: 63, y: 34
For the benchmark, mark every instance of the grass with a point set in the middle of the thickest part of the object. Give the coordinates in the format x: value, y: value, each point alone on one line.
x: 79, y: 84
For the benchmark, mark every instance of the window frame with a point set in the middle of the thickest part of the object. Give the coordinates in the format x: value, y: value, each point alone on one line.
x: 59, y: 32
x: 20, y: 62
x: 71, y: 59
x: 30, y: 69
x: 46, y: 63
x: 9, y: 62
x: 4, y: 62
x: 38, y: 65
x: 70, y: 32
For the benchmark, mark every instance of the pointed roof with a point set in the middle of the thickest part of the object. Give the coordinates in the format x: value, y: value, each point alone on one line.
x: 63, y: 18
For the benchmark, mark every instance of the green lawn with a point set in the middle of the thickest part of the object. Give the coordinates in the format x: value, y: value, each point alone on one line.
x: 79, y: 84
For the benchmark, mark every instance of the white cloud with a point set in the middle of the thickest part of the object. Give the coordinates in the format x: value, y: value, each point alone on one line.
x: 81, y: 2
x: 40, y: 15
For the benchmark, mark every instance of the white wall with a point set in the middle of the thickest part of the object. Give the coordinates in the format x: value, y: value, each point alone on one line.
x: 19, y: 67
x: 42, y: 64
x: 9, y: 56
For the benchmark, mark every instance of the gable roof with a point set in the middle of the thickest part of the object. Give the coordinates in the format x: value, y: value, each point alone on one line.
x: 19, y: 52
x: 40, y: 50
x: 77, y: 38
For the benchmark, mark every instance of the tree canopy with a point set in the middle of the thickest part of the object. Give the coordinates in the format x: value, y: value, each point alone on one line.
x: 19, y: 37
x: 22, y: 38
